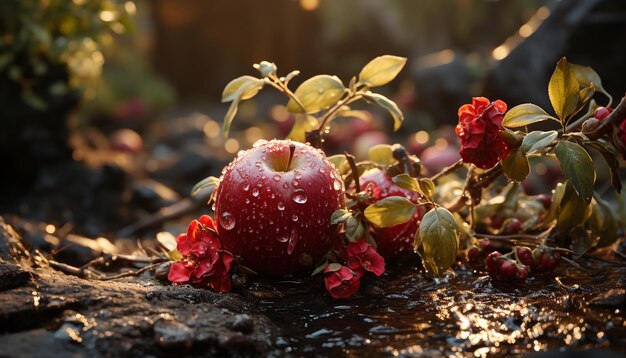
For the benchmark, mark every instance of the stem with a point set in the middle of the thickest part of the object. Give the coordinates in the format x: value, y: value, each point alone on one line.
x: 354, y: 169
x: 447, y: 170
x: 276, y: 83
x: 349, y: 99
x: 292, y: 148
x: 617, y: 115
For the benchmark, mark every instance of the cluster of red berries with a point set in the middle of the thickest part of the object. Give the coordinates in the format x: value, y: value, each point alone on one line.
x: 342, y: 281
x: 515, y: 265
x: 600, y: 114
x: 480, y: 128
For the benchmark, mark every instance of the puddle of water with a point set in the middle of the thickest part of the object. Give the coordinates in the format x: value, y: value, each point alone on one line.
x: 413, y: 315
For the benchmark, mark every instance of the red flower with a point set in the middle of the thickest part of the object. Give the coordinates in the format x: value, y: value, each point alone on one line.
x: 361, y: 256
x: 479, y: 128
x: 340, y: 281
x: 203, y: 263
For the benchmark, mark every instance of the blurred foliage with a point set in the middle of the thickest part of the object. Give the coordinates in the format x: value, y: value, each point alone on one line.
x: 39, y: 35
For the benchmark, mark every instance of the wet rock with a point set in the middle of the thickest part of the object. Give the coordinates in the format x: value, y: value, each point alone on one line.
x: 171, y: 334
x: 11, y: 243
x: 151, y: 195
x: 610, y: 298
x: 236, y: 341
x: 162, y: 271
x: 242, y: 323
x: 12, y: 276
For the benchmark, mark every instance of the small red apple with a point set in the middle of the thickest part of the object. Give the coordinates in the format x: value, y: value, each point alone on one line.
x: 273, y: 206
x: 395, y: 240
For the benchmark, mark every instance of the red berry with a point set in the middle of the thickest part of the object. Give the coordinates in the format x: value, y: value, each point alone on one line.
x: 544, y: 199
x: 497, y: 221
x: 525, y: 256
x: 522, y: 272
x: 545, y: 260
x: 513, y: 226
x: 473, y: 255
x: 395, y: 240
x: 493, y: 263
x: 602, y: 112
x: 507, y: 269
x: 485, y: 246
x: 274, y: 203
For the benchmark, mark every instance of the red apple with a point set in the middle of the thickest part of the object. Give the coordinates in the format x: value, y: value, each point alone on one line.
x: 273, y: 206
x: 395, y: 240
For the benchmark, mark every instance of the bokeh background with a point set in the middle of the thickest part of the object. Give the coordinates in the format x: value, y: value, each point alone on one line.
x: 132, y: 88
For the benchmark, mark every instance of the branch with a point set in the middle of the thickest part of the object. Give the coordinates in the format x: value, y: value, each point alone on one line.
x: 447, y: 170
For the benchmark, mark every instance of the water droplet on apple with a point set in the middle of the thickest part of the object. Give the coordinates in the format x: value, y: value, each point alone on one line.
x: 259, y: 143
x: 246, y: 187
x: 285, y: 185
x: 281, y: 206
x: 295, y: 183
x: 322, y: 170
x: 277, y: 177
x: 255, y: 192
x: 320, y: 90
x: 227, y: 221
x: 337, y: 184
x: 294, y: 217
x: 247, y: 201
x: 299, y: 196
x: 282, y: 238
x: 293, y: 240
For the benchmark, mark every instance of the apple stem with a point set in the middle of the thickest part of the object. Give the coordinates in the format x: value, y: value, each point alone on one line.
x: 292, y: 149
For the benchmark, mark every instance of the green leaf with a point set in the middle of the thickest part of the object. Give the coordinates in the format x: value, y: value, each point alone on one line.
x: 557, y: 196
x: 302, y: 124
x: 407, y: 182
x: 340, y: 216
x: 427, y: 186
x: 382, y: 154
x: 582, y: 241
x: 229, y: 116
x: 586, y: 76
x: 390, y: 211
x: 577, y: 166
x: 439, y: 234
x: 354, y: 229
x: 515, y: 166
x: 387, y: 104
x: 381, y: 70
x: 536, y: 140
x: 317, y: 93
x: 525, y: 114
x: 233, y: 89
x: 319, y: 268
x: 266, y: 68
x: 572, y: 211
x: 205, y: 185
x: 611, y: 161
x: 563, y: 90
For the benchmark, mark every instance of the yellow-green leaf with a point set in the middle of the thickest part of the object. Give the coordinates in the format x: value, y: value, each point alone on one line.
x: 387, y: 104
x: 381, y: 154
x: 427, y: 186
x: 439, y: 235
x: 586, y: 76
x: 390, y: 211
x: 302, y: 124
x: 205, y: 185
x: 316, y: 94
x: 381, y: 70
x: 611, y: 161
x: 515, y: 166
x: 577, y: 167
x: 340, y: 162
x: 563, y: 90
x: 354, y: 229
x: 572, y: 211
x: 233, y: 90
x: 536, y: 140
x: 525, y: 114
x: 407, y: 182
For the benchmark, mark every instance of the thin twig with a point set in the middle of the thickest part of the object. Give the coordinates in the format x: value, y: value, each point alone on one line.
x: 130, y: 273
x: 447, y: 170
